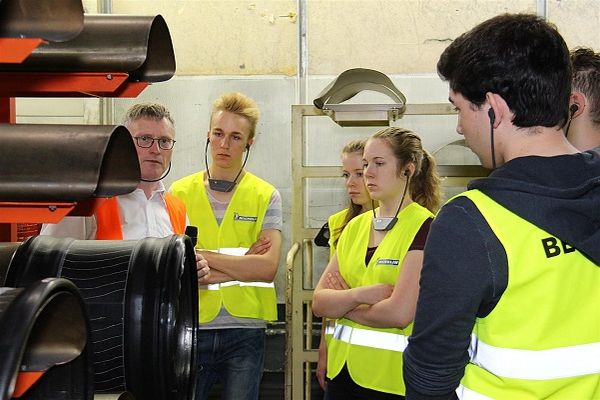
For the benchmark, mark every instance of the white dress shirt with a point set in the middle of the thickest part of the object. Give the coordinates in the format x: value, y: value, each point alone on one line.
x: 140, y: 218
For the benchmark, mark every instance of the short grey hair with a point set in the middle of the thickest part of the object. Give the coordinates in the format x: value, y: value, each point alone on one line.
x: 147, y: 110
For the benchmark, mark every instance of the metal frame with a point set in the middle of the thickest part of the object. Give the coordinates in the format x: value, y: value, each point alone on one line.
x: 299, y: 268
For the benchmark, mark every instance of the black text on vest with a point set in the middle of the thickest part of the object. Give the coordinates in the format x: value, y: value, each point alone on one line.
x: 552, y: 249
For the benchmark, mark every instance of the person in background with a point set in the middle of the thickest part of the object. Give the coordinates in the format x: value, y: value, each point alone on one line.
x: 359, y: 202
x: 508, y: 304
x: 370, y: 285
x: 148, y: 211
x: 583, y: 130
x: 234, y: 209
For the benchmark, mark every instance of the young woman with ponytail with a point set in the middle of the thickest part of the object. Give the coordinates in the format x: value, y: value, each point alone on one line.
x: 371, y: 283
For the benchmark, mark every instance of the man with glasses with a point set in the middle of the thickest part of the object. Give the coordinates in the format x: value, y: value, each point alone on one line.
x: 148, y: 211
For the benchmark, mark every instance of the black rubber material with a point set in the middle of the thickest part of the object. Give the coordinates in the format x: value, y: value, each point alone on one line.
x: 142, y: 300
x: 322, y: 238
x: 32, y: 338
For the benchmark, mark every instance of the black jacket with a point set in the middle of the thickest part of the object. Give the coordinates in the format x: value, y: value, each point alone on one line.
x: 465, y: 268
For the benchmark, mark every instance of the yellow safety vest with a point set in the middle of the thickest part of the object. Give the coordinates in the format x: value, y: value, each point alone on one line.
x: 373, y: 355
x: 240, y: 228
x: 334, y: 222
x: 542, y: 340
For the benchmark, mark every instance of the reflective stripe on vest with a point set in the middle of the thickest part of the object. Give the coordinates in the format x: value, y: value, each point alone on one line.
x: 369, y: 338
x: 217, y: 286
x: 329, y: 327
x: 235, y: 251
x: 563, y: 362
x: 464, y: 393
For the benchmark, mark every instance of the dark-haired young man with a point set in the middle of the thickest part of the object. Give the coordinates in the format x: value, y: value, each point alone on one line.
x: 509, y: 306
x: 584, y: 129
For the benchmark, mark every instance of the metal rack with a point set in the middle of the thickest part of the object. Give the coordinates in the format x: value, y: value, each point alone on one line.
x: 48, y: 48
x: 94, y: 55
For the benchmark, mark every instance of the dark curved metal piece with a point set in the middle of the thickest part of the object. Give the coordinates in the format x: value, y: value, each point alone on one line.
x: 142, y: 299
x: 138, y: 45
x: 34, y: 338
x: 54, y: 20
x: 42, y: 163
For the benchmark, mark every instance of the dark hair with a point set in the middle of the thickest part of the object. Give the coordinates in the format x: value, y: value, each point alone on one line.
x: 355, y: 146
x: 586, y: 79
x: 522, y: 58
x: 425, y: 182
x: 147, y: 110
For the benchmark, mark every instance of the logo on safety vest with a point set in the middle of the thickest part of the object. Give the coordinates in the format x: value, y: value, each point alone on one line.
x: 387, y: 261
x: 238, y: 217
x: 553, y: 246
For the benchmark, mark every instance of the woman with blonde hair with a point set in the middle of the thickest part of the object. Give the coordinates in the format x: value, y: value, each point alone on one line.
x: 359, y: 202
x: 371, y: 283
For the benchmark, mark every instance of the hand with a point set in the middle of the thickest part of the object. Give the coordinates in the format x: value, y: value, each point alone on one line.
x: 261, y: 246
x: 202, y: 269
x: 334, y: 280
x: 374, y: 293
x: 322, y: 363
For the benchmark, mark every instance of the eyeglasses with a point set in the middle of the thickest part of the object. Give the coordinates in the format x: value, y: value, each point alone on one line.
x: 147, y: 142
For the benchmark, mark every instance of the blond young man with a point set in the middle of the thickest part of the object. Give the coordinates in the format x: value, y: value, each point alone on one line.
x: 233, y: 210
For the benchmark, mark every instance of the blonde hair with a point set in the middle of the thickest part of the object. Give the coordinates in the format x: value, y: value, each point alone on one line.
x: 355, y: 146
x: 239, y: 104
x: 425, y: 182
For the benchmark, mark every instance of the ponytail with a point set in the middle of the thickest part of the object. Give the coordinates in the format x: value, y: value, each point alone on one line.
x: 425, y: 185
